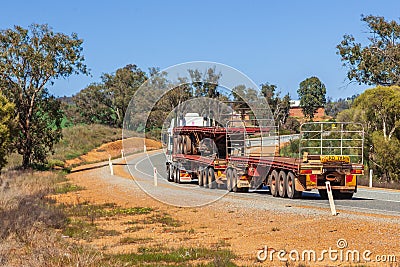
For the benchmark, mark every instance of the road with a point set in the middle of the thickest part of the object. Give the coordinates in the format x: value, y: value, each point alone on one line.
x: 365, y: 201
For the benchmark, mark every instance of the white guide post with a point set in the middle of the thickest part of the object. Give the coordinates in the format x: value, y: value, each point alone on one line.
x: 330, y: 197
x: 371, y: 172
x: 111, y: 166
x: 155, y: 176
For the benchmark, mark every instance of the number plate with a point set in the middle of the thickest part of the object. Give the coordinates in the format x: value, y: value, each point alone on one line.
x: 325, y: 159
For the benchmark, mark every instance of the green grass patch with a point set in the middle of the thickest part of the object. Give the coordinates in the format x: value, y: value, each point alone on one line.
x: 160, y: 256
x: 80, y: 229
x: 80, y: 139
x: 164, y: 219
x: 92, y: 212
x: 104, y: 210
x: 68, y: 187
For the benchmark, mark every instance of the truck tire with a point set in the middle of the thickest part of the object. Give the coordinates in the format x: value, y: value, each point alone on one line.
x: 244, y: 189
x: 173, y: 174
x: 229, y: 180
x: 273, y: 183
x: 282, y: 184
x: 211, y: 178
x: 170, y: 173
x: 291, y: 186
x: 204, y: 176
x: 234, y: 180
x: 177, y: 175
x: 200, y: 178
x: 323, y: 193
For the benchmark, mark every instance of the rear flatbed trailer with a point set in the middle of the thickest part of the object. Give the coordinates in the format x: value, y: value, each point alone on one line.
x: 206, y: 154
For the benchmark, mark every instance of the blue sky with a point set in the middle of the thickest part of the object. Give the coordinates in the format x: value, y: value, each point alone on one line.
x: 280, y: 42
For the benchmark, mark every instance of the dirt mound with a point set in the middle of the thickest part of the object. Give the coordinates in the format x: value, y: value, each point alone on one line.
x: 113, y: 149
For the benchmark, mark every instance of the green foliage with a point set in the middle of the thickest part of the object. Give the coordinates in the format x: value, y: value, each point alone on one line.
x: 94, y: 211
x: 378, y: 110
x: 80, y: 139
x: 121, y: 87
x: 386, y: 157
x: 312, y: 96
x: 94, y: 106
x: 241, y: 96
x: 157, y: 255
x: 333, y: 108
x: 67, y: 187
x: 30, y: 59
x: 292, y: 125
x: 6, y: 127
x: 378, y: 63
x: 83, y: 230
x: 106, y: 102
x: 279, y: 106
x: 291, y: 149
x: 205, y: 84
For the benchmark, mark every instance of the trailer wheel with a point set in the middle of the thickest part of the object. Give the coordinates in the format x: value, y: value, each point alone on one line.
x: 173, y: 177
x: 229, y: 180
x: 170, y: 173
x: 282, y: 184
x: 244, y: 190
x: 274, y: 183
x: 291, y: 186
x: 204, y: 177
x: 200, y: 178
x: 211, y: 178
x: 177, y: 175
x: 323, y: 193
x: 234, y: 180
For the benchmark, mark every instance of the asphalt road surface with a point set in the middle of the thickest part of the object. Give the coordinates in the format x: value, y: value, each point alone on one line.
x: 365, y: 201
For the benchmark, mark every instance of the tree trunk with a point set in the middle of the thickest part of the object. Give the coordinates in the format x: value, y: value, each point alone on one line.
x: 26, y: 162
x: 27, y: 152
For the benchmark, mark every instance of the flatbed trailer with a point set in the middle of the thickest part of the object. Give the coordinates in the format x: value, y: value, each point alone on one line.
x: 221, y: 157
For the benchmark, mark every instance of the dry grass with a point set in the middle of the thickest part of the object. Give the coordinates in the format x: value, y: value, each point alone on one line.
x: 30, y: 224
x: 80, y: 139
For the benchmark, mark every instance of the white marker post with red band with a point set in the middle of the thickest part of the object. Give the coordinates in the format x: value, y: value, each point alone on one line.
x: 330, y: 197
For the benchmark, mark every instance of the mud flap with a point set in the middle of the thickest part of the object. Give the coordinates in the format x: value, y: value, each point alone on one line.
x: 298, y: 185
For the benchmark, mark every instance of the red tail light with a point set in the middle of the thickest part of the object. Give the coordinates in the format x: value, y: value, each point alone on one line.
x: 356, y: 171
x: 313, y: 178
x: 349, y: 178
